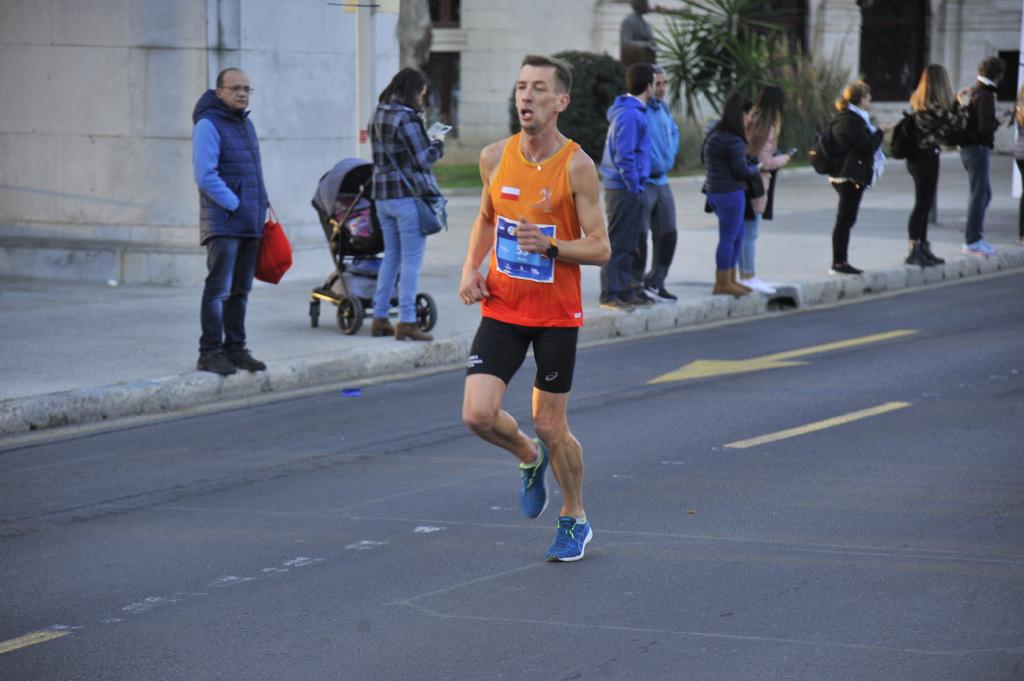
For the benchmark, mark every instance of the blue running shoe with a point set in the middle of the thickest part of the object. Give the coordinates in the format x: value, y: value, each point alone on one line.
x: 533, y: 496
x: 571, y: 539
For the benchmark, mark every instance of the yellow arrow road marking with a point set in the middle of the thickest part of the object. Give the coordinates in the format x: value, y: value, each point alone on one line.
x: 31, y: 639
x: 819, y: 425
x: 702, y: 368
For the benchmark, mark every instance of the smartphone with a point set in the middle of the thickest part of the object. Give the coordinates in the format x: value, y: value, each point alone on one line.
x: 791, y: 152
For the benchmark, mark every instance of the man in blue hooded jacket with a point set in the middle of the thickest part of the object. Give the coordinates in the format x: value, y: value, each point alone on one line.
x: 659, y: 205
x: 625, y: 166
x: 232, y: 210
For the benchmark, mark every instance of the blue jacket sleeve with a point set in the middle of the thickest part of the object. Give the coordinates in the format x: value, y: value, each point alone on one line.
x: 738, y: 165
x: 205, y: 153
x: 675, y: 135
x: 623, y: 150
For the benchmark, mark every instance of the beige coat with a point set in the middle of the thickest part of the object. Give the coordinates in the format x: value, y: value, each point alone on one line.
x: 769, y: 162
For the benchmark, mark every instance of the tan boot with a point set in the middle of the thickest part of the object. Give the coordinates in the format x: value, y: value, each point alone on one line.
x: 735, y: 282
x: 409, y: 331
x: 724, y: 286
x: 381, y: 327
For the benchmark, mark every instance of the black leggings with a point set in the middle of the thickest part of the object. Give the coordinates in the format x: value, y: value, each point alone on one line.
x: 1020, y: 213
x: 849, y: 203
x: 923, y: 165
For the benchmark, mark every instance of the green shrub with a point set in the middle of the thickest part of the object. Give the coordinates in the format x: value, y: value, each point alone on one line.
x: 812, y: 85
x: 597, y: 79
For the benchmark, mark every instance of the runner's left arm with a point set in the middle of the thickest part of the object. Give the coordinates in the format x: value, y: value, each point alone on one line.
x: 593, y: 247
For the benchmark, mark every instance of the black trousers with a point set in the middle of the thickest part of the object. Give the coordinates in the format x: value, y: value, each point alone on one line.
x: 850, y: 195
x: 923, y: 165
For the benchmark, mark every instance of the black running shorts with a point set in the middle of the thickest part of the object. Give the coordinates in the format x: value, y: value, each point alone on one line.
x: 499, y: 350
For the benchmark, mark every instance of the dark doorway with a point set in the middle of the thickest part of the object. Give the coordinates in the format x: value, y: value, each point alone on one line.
x: 443, y: 93
x: 893, y: 45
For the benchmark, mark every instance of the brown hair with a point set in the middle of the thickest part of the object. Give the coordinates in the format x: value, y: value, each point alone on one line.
x: 992, y: 68
x: 853, y: 93
x: 563, y: 71
x: 765, y: 117
x: 933, y: 91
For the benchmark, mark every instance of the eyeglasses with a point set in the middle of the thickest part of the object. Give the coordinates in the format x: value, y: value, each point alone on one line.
x: 240, y: 88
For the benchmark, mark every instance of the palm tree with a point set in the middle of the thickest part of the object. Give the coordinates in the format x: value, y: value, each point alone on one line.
x: 712, y: 47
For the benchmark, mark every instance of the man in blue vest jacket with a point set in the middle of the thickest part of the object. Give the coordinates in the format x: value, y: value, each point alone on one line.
x: 232, y: 210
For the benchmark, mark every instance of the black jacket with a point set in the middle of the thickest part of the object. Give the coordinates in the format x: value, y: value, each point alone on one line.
x: 981, y: 121
x: 856, y: 145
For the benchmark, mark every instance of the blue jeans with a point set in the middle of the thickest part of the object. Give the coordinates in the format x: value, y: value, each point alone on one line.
x: 230, y: 266
x: 625, y: 227
x: 975, y: 160
x: 729, y: 207
x: 404, y: 245
x: 749, y: 248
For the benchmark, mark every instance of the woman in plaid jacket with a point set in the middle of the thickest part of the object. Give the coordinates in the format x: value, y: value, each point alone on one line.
x: 402, y: 160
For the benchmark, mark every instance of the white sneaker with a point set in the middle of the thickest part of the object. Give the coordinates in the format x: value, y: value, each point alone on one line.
x: 758, y: 285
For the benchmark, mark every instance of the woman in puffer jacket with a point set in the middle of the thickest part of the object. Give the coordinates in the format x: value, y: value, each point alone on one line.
x: 728, y: 171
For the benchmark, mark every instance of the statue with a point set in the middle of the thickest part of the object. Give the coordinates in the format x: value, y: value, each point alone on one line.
x: 636, y: 39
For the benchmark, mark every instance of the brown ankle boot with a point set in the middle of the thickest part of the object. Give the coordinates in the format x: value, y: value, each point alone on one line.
x: 724, y: 286
x: 381, y: 327
x: 409, y: 331
x: 732, y: 278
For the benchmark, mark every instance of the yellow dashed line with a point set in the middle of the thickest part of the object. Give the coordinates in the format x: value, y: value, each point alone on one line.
x: 31, y: 639
x: 819, y: 425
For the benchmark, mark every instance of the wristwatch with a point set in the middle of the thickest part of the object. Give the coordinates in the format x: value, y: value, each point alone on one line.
x: 552, y: 251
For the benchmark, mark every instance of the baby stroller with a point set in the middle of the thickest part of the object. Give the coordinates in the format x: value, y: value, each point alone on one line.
x: 353, y: 235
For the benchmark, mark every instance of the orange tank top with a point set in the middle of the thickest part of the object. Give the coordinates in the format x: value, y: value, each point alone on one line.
x: 526, y: 288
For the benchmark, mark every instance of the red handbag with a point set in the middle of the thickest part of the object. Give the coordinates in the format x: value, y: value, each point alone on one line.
x: 275, y: 255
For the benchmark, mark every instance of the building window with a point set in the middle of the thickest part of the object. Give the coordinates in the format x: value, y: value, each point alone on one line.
x: 446, y: 13
x: 790, y: 16
x: 443, y: 93
x: 1008, y: 86
x: 893, y: 45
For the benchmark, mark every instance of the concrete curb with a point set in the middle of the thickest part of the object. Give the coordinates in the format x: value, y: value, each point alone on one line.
x: 153, y: 396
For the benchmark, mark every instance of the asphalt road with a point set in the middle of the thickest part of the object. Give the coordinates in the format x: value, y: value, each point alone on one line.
x: 846, y: 504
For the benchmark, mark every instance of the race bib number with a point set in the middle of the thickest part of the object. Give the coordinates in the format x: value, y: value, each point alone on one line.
x: 516, y: 262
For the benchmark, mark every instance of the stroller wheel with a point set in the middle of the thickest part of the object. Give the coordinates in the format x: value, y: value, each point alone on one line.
x: 426, y: 311
x: 350, y: 315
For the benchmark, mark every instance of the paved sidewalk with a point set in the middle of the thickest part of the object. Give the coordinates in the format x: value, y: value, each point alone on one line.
x: 79, y: 353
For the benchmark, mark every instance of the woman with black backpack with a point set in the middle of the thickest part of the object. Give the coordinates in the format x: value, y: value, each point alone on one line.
x: 858, y: 143
x: 937, y: 116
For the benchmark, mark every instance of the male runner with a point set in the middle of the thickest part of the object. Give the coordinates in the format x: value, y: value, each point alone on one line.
x: 540, y: 219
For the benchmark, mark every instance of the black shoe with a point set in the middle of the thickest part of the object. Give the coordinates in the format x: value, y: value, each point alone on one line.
x: 844, y: 268
x: 917, y: 257
x: 926, y: 248
x: 640, y: 299
x: 244, y: 360
x: 215, y: 361
x: 663, y: 293
x: 617, y: 304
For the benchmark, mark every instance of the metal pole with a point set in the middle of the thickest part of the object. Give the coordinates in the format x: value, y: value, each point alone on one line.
x: 1015, y: 188
x: 364, y: 78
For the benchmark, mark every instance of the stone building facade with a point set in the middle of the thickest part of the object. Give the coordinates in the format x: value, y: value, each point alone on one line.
x: 95, y: 120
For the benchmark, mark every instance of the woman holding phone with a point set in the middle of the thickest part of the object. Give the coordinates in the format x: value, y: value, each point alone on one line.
x: 763, y: 124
